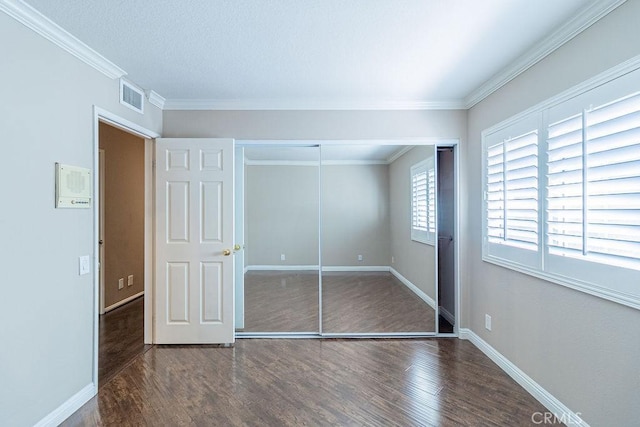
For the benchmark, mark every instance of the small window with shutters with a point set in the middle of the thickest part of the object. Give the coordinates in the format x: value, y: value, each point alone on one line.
x: 562, y: 190
x: 423, y: 202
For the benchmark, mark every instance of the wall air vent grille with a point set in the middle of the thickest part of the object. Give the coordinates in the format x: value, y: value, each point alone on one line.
x: 131, y: 96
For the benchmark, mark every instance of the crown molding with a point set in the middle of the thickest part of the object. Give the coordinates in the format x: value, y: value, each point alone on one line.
x: 156, y: 99
x: 51, y: 31
x: 395, y: 156
x: 290, y: 104
x: 583, y: 20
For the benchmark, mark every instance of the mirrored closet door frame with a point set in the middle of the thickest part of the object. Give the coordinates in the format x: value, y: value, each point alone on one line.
x: 323, y: 143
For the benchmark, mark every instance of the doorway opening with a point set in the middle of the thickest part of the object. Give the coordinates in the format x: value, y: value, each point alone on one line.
x: 115, y: 309
x: 121, y: 177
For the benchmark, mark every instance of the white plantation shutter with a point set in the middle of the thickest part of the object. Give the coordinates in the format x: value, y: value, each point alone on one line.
x: 431, y: 203
x: 593, y: 184
x: 423, y: 213
x: 419, y: 197
x: 495, y: 193
x: 512, y: 192
x: 521, y: 191
x: 565, y: 187
x: 613, y: 182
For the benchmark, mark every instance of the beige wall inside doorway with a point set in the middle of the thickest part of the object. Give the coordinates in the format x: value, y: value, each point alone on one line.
x: 124, y: 213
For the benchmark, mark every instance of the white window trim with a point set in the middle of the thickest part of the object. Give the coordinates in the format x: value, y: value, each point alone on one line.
x: 628, y: 299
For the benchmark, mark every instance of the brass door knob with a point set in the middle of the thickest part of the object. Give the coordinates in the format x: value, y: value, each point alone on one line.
x: 226, y: 252
x: 237, y: 247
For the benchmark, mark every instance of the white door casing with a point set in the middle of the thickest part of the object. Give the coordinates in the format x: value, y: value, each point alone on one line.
x: 239, y: 237
x: 194, y: 298
x: 101, y: 181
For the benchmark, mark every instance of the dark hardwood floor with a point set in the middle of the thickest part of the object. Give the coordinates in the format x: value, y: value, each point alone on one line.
x: 313, y: 382
x: 362, y: 302
x: 121, y: 338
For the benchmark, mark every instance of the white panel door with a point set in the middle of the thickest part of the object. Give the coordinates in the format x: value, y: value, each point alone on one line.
x: 194, y: 301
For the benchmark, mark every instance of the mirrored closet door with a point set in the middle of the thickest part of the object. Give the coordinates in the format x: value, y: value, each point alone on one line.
x: 378, y: 228
x: 280, y: 292
x: 339, y: 239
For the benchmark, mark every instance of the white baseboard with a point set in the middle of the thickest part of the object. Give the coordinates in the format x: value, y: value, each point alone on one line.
x: 123, y: 302
x: 347, y: 268
x: 64, y: 411
x: 424, y: 297
x: 281, y: 268
x: 549, y: 401
x: 447, y: 315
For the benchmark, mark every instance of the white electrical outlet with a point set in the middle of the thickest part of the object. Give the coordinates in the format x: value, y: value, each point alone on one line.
x: 359, y: 257
x: 130, y: 280
x: 393, y: 259
x: 84, y: 264
x: 121, y: 283
x: 487, y: 322
x: 282, y: 257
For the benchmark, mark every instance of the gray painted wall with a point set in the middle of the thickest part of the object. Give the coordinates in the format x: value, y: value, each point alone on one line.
x: 46, y: 116
x: 414, y: 260
x: 315, y: 124
x: 582, y: 349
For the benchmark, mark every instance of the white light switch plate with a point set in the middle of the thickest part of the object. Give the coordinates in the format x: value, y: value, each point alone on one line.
x: 84, y: 264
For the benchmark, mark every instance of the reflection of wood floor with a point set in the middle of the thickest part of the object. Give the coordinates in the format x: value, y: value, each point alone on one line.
x: 419, y: 382
x: 359, y: 302
x: 281, y: 301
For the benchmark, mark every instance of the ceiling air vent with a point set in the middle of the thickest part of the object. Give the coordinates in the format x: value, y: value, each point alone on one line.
x: 131, y: 96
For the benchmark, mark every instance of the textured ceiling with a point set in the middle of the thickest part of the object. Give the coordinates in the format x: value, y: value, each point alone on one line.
x: 311, y: 50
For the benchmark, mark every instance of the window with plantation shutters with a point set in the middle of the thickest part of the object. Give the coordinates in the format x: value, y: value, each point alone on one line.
x: 593, y: 184
x: 423, y: 212
x: 578, y: 185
